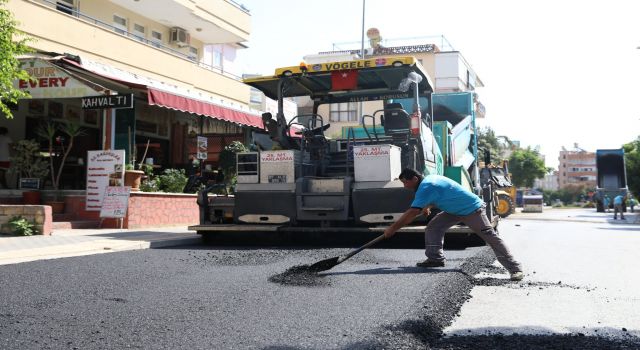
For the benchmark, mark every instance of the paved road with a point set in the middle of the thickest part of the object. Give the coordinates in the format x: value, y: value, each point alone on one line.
x: 576, y: 295
x: 581, y: 279
x: 202, y: 297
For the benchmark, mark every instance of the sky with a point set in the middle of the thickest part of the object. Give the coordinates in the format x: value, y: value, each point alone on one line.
x: 555, y: 72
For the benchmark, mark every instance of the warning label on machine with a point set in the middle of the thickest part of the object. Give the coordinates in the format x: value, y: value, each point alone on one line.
x: 276, y: 156
x: 371, y: 151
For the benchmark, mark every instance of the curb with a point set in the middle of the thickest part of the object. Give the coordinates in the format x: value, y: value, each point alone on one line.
x: 100, y: 246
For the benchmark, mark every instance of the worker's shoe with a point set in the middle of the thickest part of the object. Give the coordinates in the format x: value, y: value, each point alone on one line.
x: 430, y: 263
x: 517, y: 276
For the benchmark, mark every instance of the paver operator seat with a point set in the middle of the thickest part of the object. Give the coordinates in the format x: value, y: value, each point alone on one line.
x: 397, y: 123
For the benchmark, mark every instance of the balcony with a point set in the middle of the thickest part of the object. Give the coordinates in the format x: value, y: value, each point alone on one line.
x: 69, y: 31
x: 210, y: 21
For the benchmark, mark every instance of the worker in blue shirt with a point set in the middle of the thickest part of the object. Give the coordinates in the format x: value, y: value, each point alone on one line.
x: 617, y: 207
x: 457, y: 205
x: 606, y: 201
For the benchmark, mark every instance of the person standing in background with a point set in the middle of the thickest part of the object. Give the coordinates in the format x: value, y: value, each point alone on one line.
x: 5, y: 153
x: 618, y: 202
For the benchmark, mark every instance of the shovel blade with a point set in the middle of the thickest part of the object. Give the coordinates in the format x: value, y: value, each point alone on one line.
x: 324, y: 265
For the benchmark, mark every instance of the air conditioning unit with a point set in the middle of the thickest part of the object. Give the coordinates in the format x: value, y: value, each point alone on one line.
x: 180, y: 37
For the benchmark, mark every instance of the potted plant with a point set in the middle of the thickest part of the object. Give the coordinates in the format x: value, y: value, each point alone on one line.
x: 132, y: 171
x: 132, y: 177
x: 49, y: 131
x: 28, y: 163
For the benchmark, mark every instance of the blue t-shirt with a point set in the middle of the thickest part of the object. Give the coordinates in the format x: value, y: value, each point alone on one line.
x: 617, y: 200
x: 446, y: 195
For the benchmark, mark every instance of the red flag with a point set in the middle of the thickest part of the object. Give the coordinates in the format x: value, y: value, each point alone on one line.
x: 344, y: 80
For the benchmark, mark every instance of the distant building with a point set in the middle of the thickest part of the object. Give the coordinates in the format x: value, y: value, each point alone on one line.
x: 548, y: 183
x: 576, y: 166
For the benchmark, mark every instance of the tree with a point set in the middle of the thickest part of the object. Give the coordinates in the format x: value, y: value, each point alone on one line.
x: 632, y: 161
x: 487, y: 140
x: 526, y: 165
x: 10, y: 69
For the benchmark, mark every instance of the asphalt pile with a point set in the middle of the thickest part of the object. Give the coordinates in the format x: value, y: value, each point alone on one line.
x: 300, y: 275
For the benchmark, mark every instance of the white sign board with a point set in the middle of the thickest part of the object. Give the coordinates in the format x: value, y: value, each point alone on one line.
x: 376, y: 162
x: 115, y: 202
x: 104, y: 168
x: 49, y: 81
x: 202, y: 147
x: 277, y: 167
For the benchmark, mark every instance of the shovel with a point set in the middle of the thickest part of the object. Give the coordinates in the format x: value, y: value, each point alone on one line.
x: 331, y: 262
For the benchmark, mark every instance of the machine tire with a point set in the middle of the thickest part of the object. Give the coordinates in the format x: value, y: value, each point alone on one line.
x: 505, y: 206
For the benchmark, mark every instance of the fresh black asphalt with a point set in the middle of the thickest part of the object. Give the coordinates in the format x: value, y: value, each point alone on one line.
x: 212, y: 297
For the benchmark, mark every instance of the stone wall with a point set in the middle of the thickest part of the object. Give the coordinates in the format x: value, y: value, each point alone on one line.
x: 146, y: 209
x: 39, y: 215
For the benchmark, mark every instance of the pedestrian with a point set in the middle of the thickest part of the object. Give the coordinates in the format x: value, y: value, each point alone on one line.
x: 5, y: 154
x: 617, y: 207
x: 632, y: 203
x: 606, y: 201
x: 457, y: 205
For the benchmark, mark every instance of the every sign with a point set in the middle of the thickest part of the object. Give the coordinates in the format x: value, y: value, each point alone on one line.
x: 111, y: 101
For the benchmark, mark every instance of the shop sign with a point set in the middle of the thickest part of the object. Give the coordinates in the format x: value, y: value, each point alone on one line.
x: 108, y: 101
x: 104, y: 168
x: 29, y: 183
x: 115, y: 202
x: 49, y: 81
x: 202, y: 148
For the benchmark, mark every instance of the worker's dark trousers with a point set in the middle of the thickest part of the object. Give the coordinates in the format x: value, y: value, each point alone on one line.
x: 618, y: 208
x: 479, y: 223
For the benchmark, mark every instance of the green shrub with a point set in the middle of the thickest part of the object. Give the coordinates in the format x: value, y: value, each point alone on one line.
x: 172, y: 180
x: 22, y: 227
x: 149, y: 185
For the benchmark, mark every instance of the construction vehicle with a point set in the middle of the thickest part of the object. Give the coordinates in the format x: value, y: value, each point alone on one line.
x: 611, y: 178
x: 505, y: 191
x: 308, y: 182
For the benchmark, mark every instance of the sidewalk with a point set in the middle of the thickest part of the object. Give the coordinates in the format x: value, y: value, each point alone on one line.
x: 576, y: 215
x: 77, y: 242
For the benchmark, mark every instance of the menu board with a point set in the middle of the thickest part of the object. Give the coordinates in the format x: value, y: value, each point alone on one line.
x: 115, y: 202
x: 104, y: 168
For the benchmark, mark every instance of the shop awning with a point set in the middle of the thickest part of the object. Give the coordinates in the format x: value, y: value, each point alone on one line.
x: 179, y: 99
x: 190, y: 105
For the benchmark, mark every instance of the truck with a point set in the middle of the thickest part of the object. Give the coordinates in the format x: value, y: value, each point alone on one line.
x: 309, y: 182
x: 611, y: 176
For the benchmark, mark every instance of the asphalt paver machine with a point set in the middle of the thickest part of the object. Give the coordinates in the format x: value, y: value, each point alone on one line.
x: 305, y: 180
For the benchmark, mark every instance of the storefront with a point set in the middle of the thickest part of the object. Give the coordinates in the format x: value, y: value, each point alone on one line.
x: 161, y: 128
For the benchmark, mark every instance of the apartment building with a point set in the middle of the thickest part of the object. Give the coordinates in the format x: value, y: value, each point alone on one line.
x: 447, y: 68
x: 174, y: 58
x: 549, y: 182
x: 576, y: 167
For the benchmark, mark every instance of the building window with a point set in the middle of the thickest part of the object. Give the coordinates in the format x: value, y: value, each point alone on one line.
x: 138, y: 31
x: 193, y: 53
x: 120, y: 24
x: 212, y: 55
x: 65, y: 6
x: 343, y: 112
x: 156, y: 38
x: 217, y: 59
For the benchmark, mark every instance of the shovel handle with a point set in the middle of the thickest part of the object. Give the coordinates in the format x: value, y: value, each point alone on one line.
x: 358, y: 250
